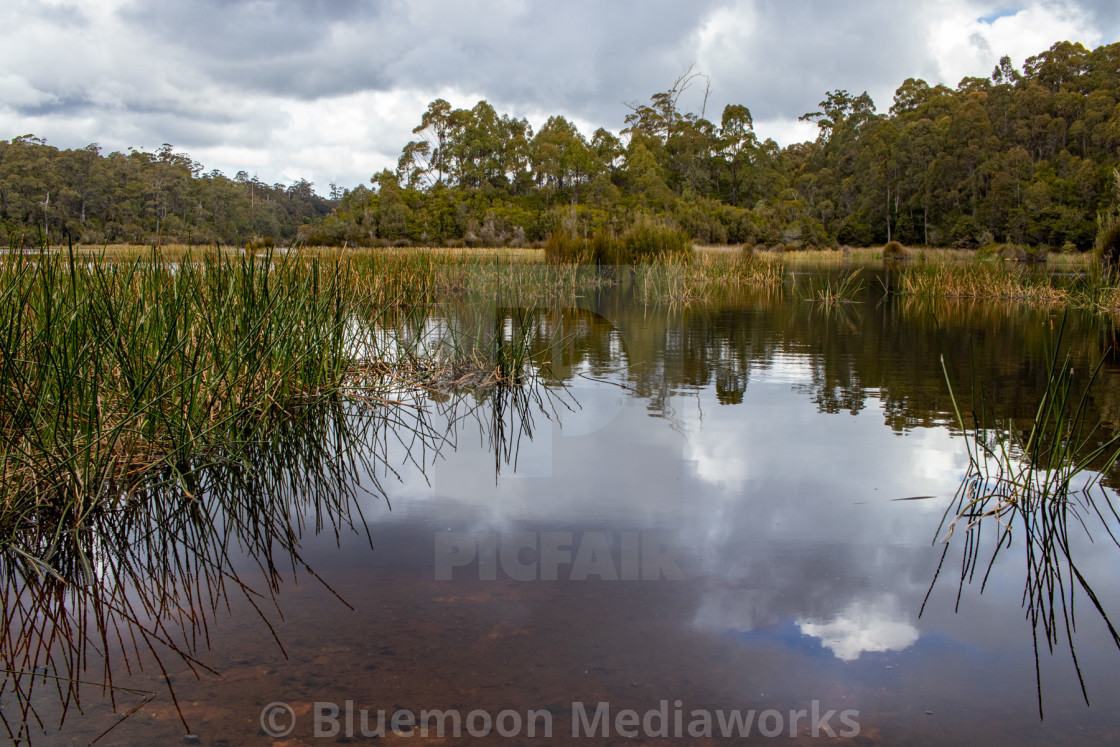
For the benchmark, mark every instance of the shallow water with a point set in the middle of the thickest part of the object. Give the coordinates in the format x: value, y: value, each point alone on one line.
x: 731, y: 505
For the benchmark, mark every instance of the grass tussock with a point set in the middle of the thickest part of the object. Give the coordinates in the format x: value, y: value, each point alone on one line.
x: 893, y: 250
x: 827, y: 289
x: 643, y: 243
x: 710, y: 272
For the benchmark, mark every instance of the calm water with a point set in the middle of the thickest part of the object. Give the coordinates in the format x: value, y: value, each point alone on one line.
x: 698, y: 505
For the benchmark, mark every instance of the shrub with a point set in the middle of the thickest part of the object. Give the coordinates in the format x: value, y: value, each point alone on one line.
x: 647, y: 242
x: 1107, y: 248
x: 564, y: 248
x: 964, y: 233
x: 643, y: 243
x: 893, y: 250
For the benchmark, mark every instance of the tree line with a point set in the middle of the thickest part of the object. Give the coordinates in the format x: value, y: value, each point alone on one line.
x: 138, y: 197
x: 1022, y: 156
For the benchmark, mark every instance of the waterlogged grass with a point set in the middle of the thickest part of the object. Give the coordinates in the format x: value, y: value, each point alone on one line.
x: 114, y: 372
x: 829, y: 290
x: 707, y: 274
x: 1041, y: 481
x: 989, y: 280
x: 115, y: 369
x: 976, y: 280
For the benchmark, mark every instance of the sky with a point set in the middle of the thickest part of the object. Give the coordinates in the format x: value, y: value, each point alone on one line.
x: 329, y: 90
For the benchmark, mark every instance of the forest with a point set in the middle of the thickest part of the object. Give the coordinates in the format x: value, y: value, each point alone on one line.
x: 1022, y: 156
x: 55, y: 196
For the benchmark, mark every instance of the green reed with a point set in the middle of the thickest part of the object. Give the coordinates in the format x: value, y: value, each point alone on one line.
x: 110, y: 370
x: 1039, y: 479
x: 826, y: 289
x: 977, y: 279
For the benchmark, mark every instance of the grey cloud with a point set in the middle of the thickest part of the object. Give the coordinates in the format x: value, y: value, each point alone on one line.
x: 581, y: 57
x: 799, y: 50
x: 221, y: 72
x: 241, y: 29
x: 980, y: 43
x: 56, y: 105
x: 63, y: 15
x: 1106, y: 13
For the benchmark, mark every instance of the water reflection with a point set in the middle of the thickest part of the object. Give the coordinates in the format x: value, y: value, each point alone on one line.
x: 768, y: 442
x: 1038, y: 480
x: 138, y: 583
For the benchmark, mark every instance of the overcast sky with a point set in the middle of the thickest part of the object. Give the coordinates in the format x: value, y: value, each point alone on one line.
x: 329, y: 90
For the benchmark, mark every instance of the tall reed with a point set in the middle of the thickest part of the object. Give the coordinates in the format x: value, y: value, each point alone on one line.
x: 109, y: 370
x: 1041, y: 481
x: 979, y: 280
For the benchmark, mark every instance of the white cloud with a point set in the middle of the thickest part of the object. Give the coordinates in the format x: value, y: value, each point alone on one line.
x: 962, y: 44
x: 863, y: 626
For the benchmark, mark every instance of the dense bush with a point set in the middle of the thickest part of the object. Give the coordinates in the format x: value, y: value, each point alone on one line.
x: 643, y: 243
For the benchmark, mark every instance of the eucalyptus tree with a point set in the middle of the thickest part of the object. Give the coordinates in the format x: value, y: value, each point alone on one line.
x: 561, y: 158
x: 737, y: 145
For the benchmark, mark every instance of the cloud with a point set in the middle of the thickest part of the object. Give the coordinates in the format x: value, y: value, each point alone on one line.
x: 963, y: 44
x: 867, y: 625
x: 332, y: 89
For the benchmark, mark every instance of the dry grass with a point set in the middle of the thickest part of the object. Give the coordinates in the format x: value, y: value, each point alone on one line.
x: 974, y: 280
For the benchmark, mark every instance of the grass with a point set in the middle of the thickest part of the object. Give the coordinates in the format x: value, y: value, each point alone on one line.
x: 118, y: 376
x: 1041, y: 481
x: 979, y: 280
x: 1094, y: 288
x: 826, y: 289
x: 113, y: 368
x: 709, y: 273
x: 110, y: 371
x: 118, y: 367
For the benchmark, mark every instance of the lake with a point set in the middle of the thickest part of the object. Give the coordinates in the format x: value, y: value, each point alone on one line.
x: 695, y: 522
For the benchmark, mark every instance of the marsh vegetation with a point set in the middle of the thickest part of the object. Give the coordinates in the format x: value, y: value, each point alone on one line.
x: 174, y: 416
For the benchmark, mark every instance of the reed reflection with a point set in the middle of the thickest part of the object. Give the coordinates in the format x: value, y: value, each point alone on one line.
x: 138, y: 582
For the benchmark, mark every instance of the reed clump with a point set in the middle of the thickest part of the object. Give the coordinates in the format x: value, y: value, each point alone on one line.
x: 112, y: 372
x: 979, y: 280
x: 710, y: 271
x: 830, y: 290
